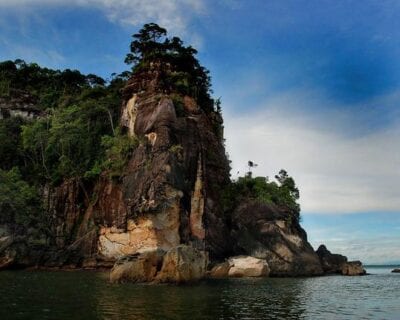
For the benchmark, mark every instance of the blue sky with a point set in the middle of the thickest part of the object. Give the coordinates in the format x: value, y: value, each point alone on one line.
x: 309, y: 86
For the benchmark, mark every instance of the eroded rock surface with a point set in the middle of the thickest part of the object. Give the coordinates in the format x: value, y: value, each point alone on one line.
x: 183, y: 264
x: 353, y: 268
x: 139, y: 267
x: 337, y: 264
x: 267, y: 232
x: 245, y: 266
x: 331, y: 263
x: 180, y: 264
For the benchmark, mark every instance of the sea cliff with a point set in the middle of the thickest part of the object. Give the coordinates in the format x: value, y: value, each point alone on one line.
x: 161, y: 205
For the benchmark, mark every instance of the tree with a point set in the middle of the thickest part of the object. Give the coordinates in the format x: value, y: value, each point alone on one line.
x: 288, y: 183
x: 94, y: 80
x: 180, y: 70
x: 11, y: 146
x: 147, y: 44
x: 19, y: 203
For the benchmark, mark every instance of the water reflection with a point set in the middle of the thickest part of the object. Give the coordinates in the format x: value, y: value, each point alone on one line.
x: 222, y: 299
x: 88, y: 295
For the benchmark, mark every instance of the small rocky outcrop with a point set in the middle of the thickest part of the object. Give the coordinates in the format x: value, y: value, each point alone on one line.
x: 337, y: 264
x: 241, y: 266
x: 397, y: 270
x: 353, y: 268
x: 268, y: 232
x: 180, y: 264
x: 330, y: 262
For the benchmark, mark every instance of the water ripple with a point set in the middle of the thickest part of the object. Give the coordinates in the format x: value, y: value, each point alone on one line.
x: 84, y: 295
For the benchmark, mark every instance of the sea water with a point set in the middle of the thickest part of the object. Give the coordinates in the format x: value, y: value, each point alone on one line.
x: 88, y: 295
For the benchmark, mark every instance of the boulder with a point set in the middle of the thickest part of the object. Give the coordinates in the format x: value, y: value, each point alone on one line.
x: 183, y: 264
x: 353, y: 268
x: 330, y: 262
x: 241, y: 266
x: 246, y: 266
x: 396, y: 270
x: 139, y: 267
x: 220, y: 270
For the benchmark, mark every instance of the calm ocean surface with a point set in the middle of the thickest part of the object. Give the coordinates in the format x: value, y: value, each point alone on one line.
x: 88, y: 295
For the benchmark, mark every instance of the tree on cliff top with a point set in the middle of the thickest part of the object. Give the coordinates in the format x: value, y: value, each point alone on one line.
x: 283, y: 193
x: 182, y: 71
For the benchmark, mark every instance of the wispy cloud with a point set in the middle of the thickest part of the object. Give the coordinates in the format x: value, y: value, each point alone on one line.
x: 175, y: 15
x: 50, y: 57
x: 338, y: 168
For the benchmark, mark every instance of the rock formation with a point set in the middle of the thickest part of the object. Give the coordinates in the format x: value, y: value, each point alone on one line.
x: 163, y: 217
x: 396, y: 270
x: 267, y: 232
x: 241, y: 266
x: 168, y: 194
x: 331, y: 263
x: 180, y: 264
x: 336, y: 263
x: 353, y: 268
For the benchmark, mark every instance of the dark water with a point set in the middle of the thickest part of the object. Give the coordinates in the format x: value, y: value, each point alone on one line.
x: 88, y: 295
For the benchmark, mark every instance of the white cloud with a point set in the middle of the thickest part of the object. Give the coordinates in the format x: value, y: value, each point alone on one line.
x: 175, y: 15
x: 337, y: 171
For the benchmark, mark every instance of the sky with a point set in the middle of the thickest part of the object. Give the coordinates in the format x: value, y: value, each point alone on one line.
x: 311, y: 86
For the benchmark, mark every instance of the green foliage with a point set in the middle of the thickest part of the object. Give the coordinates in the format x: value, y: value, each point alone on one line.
x: 178, y: 104
x: 67, y: 143
x: 283, y: 193
x: 51, y: 88
x: 19, y: 202
x: 11, y: 145
x: 181, y: 71
x: 119, y: 148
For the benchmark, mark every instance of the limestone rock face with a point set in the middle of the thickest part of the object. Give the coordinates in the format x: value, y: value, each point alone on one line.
x: 180, y: 264
x: 353, y: 268
x: 141, y: 267
x: 331, y: 263
x: 147, y: 232
x: 183, y: 264
x: 266, y: 232
x: 168, y: 192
